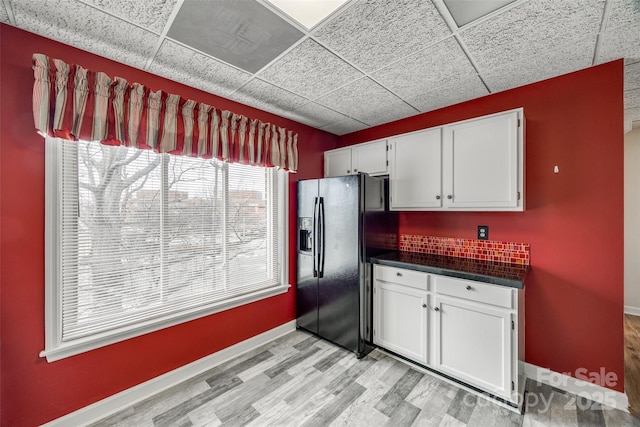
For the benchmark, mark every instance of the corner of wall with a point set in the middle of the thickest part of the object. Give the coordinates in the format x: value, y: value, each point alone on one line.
x: 632, y: 222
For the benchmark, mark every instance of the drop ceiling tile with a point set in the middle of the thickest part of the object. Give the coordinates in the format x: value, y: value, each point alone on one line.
x: 526, y: 32
x: 268, y: 97
x: 550, y: 63
x: 149, y: 14
x: 632, y: 76
x: 310, y: 71
x: 316, y: 115
x: 621, y: 42
x: 631, y: 99
x: 431, y: 98
x: 368, y: 102
x: 632, y: 114
x: 192, y: 68
x: 432, y: 73
x: 68, y: 21
x: 4, y: 16
x: 370, y: 34
x: 623, y: 13
x: 245, y: 34
x: 344, y: 126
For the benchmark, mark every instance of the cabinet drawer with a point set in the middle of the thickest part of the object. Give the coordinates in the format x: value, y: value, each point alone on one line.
x: 401, y: 276
x: 474, y: 291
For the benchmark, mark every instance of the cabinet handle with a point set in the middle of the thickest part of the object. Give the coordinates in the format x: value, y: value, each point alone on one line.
x: 438, y: 197
x: 424, y: 305
x: 437, y: 309
x: 449, y: 197
x: 469, y: 287
x: 399, y: 274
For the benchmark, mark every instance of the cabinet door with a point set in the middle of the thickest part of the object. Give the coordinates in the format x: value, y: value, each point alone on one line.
x: 415, y: 170
x: 400, y: 320
x: 337, y: 162
x: 473, y: 344
x: 481, y: 163
x: 370, y: 157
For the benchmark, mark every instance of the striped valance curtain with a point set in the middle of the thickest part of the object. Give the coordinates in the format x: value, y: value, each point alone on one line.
x: 74, y: 103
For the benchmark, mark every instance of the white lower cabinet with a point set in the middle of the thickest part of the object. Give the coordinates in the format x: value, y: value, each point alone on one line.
x: 473, y: 343
x: 401, y: 320
x: 467, y: 330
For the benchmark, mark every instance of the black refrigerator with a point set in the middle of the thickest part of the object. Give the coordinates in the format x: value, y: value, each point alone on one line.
x: 341, y: 222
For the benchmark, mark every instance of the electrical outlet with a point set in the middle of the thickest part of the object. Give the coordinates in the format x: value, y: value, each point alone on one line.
x: 483, y: 232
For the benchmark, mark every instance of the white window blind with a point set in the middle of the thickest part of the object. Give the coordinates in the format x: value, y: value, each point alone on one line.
x: 137, y: 241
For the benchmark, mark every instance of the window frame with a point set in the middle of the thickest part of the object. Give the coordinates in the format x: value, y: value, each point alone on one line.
x: 55, y: 348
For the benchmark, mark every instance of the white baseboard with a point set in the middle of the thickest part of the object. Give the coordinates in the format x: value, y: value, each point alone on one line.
x: 603, y: 395
x: 635, y: 311
x: 117, y: 402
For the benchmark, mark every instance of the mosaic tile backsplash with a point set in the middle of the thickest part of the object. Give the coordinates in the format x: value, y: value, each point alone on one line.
x: 489, y: 250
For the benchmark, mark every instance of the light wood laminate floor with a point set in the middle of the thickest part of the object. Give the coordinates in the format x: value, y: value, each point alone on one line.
x: 632, y: 361
x: 300, y: 380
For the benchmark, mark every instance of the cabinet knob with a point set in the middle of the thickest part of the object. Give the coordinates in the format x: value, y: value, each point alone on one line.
x: 469, y: 287
x: 424, y: 305
x: 355, y: 170
x: 348, y: 170
x: 449, y: 197
x: 399, y: 274
x: 438, y: 197
x: 437, y: 309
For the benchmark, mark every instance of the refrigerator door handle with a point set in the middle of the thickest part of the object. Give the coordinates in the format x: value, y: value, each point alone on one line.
x: 315, y: 237
x: 321, y: 235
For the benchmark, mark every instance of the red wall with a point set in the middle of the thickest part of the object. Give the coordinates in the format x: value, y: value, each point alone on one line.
x: 573, y: 220
x: 32, y: 390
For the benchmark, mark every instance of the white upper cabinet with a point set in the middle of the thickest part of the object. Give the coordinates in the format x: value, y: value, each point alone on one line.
x: 337, y: 162
x: 415, y: 170
x: 483, y: 163
x: 474, y: 165
x: 369, y: 157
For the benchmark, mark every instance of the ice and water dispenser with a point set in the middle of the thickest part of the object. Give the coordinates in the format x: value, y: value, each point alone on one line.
x: 305, y: 235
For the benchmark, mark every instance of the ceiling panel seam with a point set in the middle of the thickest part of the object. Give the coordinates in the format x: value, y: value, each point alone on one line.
x: 365, y: 73
x: 472, y: 61
x: 119, y: 18
x: 9, y: 10
x: 284, y: 16
x: 455, y: 30
x: 255, y: 76
x: 603, y: 28
x: 444, y: 12
x: 163, y: 35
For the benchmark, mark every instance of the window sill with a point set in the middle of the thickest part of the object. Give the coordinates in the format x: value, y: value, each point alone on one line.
x: 78, y: 346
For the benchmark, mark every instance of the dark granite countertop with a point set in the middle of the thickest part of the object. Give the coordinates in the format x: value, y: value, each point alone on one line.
x: 496, y: 273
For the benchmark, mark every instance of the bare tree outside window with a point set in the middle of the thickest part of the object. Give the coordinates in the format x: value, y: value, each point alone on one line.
x: 155, y: 229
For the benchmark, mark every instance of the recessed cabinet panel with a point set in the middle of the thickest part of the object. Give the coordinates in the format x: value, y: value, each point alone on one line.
x: 337, y: 162
x: 474, y: 291
x: 473, y: 343
x: 415, y: 170
x: 402, y: 276
x: 400, y: 320
x: 481, y: 161
x: 370, y: 157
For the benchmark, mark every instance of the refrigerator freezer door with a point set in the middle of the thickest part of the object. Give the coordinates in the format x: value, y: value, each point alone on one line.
x: 339, y: 287
x: 307, y: 281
